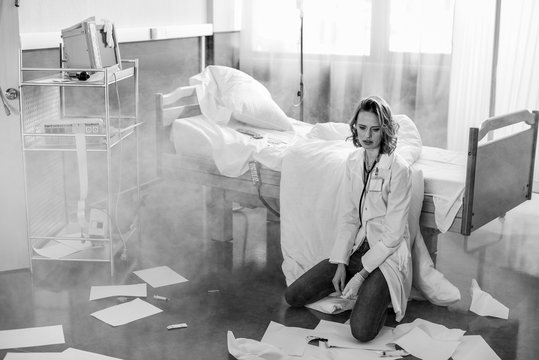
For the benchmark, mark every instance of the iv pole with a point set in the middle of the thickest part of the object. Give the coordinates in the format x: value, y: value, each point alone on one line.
x: 300, y: 91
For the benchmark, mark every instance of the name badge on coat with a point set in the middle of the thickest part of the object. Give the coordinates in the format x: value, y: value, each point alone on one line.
x: 375, y: 185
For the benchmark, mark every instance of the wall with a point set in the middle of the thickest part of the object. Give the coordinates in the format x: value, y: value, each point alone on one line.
x: 52, y: 15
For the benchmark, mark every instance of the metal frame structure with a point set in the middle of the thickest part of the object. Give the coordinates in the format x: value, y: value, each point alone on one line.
x: 34, y: 140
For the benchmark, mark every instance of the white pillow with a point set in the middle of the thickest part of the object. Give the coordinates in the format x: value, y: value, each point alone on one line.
x: 330, y: 131
x: 225, y: 92
x: 409, y: 141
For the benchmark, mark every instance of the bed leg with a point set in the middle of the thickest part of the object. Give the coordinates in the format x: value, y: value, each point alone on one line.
x: 270, y: 216
x: 430, y: 236
x: 219, y: 215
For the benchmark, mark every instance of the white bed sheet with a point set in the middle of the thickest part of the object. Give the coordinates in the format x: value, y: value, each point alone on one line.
x: 445, y: 174
x: 230, y: 149
x: 443, y: 170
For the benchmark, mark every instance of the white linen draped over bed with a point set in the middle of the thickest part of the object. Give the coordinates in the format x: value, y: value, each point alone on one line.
x: 444, y: 171
x: 311, y: 195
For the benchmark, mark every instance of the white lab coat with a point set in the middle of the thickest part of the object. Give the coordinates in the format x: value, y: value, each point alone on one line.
x: 385, y: 219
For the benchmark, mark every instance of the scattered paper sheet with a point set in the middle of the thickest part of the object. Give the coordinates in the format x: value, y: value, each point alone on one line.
x: 36, y: 336
x: 323, y: 352
x: 127, y: 312
x: 420, y: 344
x: 247, y: 349
x: 485, y: 305
x: 68, y: 354
x: 355, y: 354
x: 160, y: 276
x: 435, y: 331
x: 75, y: 354
x: 291, y: 340
x: 34, y: 356
x: 332, y: 304
x: 340, y: 335
x: 320, y: 352
x: 58, y: 249
x: 135, y: 290
x: 474, y: 347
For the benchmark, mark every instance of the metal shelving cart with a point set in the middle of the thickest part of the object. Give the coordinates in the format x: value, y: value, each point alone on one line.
x: 73, y: 134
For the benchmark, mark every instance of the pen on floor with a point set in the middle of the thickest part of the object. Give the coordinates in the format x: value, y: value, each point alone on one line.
x: 162, y: 298
x: 177, y: 326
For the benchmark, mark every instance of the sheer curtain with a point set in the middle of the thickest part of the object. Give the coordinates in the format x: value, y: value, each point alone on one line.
x: 473, y: 39
x: 517, y: 85
x: 517, y: 73
x: 398, y: 49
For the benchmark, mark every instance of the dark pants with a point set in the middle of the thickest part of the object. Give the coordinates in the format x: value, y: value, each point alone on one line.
x: 370, y: 311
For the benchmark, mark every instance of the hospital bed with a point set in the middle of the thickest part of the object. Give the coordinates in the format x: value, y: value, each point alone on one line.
x: 493, y: 176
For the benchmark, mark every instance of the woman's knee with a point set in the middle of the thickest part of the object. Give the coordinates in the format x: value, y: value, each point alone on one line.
x: 365, y: 328
x: 363, y: 333
x: 293, y: 298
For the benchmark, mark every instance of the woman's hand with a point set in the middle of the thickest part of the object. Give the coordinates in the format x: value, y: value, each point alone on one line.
x: 339, y: 278
x: 351, y: 289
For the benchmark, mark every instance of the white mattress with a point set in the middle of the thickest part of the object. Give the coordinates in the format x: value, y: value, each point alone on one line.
x: 444, y: 171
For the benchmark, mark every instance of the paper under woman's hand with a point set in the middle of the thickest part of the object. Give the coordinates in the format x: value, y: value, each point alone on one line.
x: 351, y: 289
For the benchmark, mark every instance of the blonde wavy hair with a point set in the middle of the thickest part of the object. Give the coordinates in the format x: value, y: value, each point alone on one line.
x: 380, y: 108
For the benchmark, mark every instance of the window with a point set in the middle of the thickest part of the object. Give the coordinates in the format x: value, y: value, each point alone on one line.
x: 350, y: 27
x: 421, y: 26
x: 340, y: 27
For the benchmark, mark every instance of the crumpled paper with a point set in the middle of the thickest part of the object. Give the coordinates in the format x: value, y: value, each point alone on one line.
x: 248, y: 349
x: 428, y: 340
x: 485, y: 305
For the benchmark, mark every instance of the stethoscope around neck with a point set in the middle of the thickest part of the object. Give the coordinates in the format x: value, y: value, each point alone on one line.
x: 366, y: 179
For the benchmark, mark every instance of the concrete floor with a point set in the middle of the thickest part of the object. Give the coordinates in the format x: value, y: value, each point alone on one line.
x: 501, y: 256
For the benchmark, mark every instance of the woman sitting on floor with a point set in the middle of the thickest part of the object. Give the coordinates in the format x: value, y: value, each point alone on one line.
x: 370, y: 259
